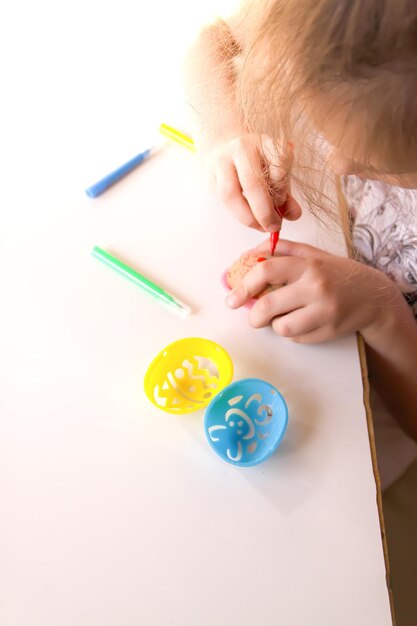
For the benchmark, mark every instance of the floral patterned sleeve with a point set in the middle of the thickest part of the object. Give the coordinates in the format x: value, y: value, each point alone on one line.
x: 384, y: 230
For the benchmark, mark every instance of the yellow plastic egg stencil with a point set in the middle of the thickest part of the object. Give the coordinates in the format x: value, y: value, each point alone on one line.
x: 187, y: 374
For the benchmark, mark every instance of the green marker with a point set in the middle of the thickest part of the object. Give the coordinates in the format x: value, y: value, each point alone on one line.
x: 147, y: 285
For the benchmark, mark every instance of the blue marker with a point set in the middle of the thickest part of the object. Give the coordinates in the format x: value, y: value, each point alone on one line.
x: 98, y: 188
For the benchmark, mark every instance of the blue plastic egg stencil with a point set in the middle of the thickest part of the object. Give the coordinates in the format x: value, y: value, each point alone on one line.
x: 246, y: 421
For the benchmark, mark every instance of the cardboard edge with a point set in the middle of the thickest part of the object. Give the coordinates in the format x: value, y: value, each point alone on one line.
x: 371, y: 436
x: 368, y: 411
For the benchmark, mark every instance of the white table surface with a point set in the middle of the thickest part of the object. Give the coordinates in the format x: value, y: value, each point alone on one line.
x: 111, y: 511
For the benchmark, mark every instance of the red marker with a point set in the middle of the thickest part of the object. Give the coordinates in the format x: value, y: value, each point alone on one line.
x: 273, y: 237
x: 273, y: 240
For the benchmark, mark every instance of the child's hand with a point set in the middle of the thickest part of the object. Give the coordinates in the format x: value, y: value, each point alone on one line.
x: 249, y: 187
x: 324, y: 296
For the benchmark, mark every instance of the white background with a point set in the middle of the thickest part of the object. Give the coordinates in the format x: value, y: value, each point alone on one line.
x: 112, y: 512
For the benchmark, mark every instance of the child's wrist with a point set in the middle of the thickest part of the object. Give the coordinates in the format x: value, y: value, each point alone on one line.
x: 388, y: 318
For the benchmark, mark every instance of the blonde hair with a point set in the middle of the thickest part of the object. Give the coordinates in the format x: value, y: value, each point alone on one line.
x: 309, y: 60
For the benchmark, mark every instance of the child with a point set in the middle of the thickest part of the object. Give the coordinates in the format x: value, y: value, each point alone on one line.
x: 277, y: 91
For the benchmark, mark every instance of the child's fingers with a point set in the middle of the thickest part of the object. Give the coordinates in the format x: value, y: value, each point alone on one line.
x: 281, y: 301
x: 262, y: 247
x: 265, y: 246
x: 270, y: 272
x: 230, y: 192
x: 252, y: 180
x: 290, y: 210
x: 294, y: 248
x: 317, y: 335
x: 298, y: 323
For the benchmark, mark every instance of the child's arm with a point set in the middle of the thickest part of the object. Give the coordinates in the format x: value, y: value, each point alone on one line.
x: 392, y: 359
x: 325, y: 296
